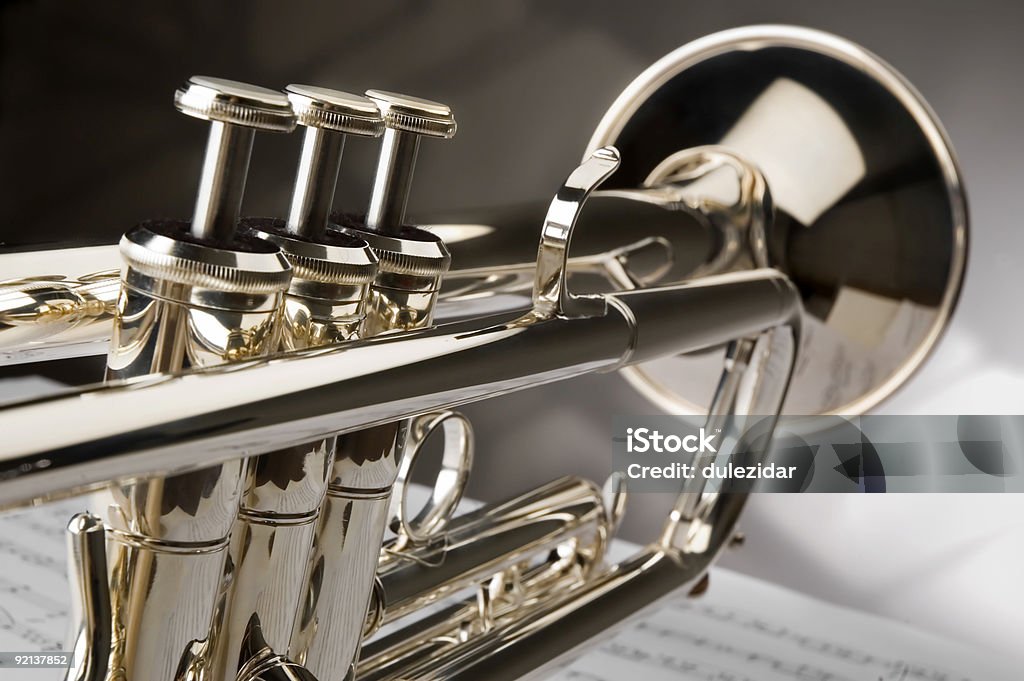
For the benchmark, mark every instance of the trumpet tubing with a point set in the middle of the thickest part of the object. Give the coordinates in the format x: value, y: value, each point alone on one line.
x: 490, y: 541
x: 272, y: 382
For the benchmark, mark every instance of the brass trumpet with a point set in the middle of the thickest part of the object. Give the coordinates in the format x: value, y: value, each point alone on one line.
x: 770, y: 220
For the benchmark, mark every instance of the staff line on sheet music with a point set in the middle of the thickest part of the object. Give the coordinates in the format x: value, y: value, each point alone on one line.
x: 690, y: 670
x: 26, y: 633
x: 802, y: 671
x: 700, y: 670
x: 894, y: 668
x: 33, y: 557
x: 33, y: 537
x: 25, y: 593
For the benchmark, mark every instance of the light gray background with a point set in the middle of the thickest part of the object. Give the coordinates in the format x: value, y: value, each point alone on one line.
x: 528, y: 82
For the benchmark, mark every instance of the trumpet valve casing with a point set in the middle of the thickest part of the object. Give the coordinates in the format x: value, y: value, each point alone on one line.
x: 325, y: 304
x: 193, y: 294
x: 354, y: 517
x: 405, y: 291
x: 326, y: 301
x: 184, y: 302
x: 355, y: 512
x: 284, y: 490
x: 346, y: 549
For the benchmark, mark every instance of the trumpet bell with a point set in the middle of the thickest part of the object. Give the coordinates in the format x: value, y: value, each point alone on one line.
x: 870, y: 219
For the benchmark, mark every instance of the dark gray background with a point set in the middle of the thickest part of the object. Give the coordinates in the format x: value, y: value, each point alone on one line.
x: 90, y: 144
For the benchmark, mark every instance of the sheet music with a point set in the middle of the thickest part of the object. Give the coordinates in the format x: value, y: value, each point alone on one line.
x: 34, y: 596
x: 742, y: 629
x: 745, y: 629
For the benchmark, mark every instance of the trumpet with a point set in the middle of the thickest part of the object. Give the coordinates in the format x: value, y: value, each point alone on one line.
x: 768, y: 220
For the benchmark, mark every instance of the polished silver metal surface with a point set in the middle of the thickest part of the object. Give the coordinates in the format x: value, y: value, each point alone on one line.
x: 515, y: 630
x: 551, y: 294
x: 343, y: 565
x: 193, y: 294
x: 271, y: 540
x: 327, y: 109
x: 186, y: 304
x: 412, y: 264
x: 235, y: 103
x: 35, y: 309
x: 897, y: 175
x: 90, y: 599
x: 328, y: 116
x: 222, y: 182
x: 183, y: 304
x: 215, y: 444
x: 496, y: 538
x: 449, y: 483
x: 476, y: 277
x: 235, y: 111
x: 407, y: 119
x: 176, y: 423
x: 870, y: 215
x: 406, y: 113
x: 331, y: 278
x: 488, y: 357
x: 366, y: 465
x: 629, y: 310
x: 266, y: 563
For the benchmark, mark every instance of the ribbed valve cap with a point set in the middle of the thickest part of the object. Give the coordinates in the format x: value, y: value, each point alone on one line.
x: 229, y: 101
x: 415, y: 115
x: 319, y: 107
